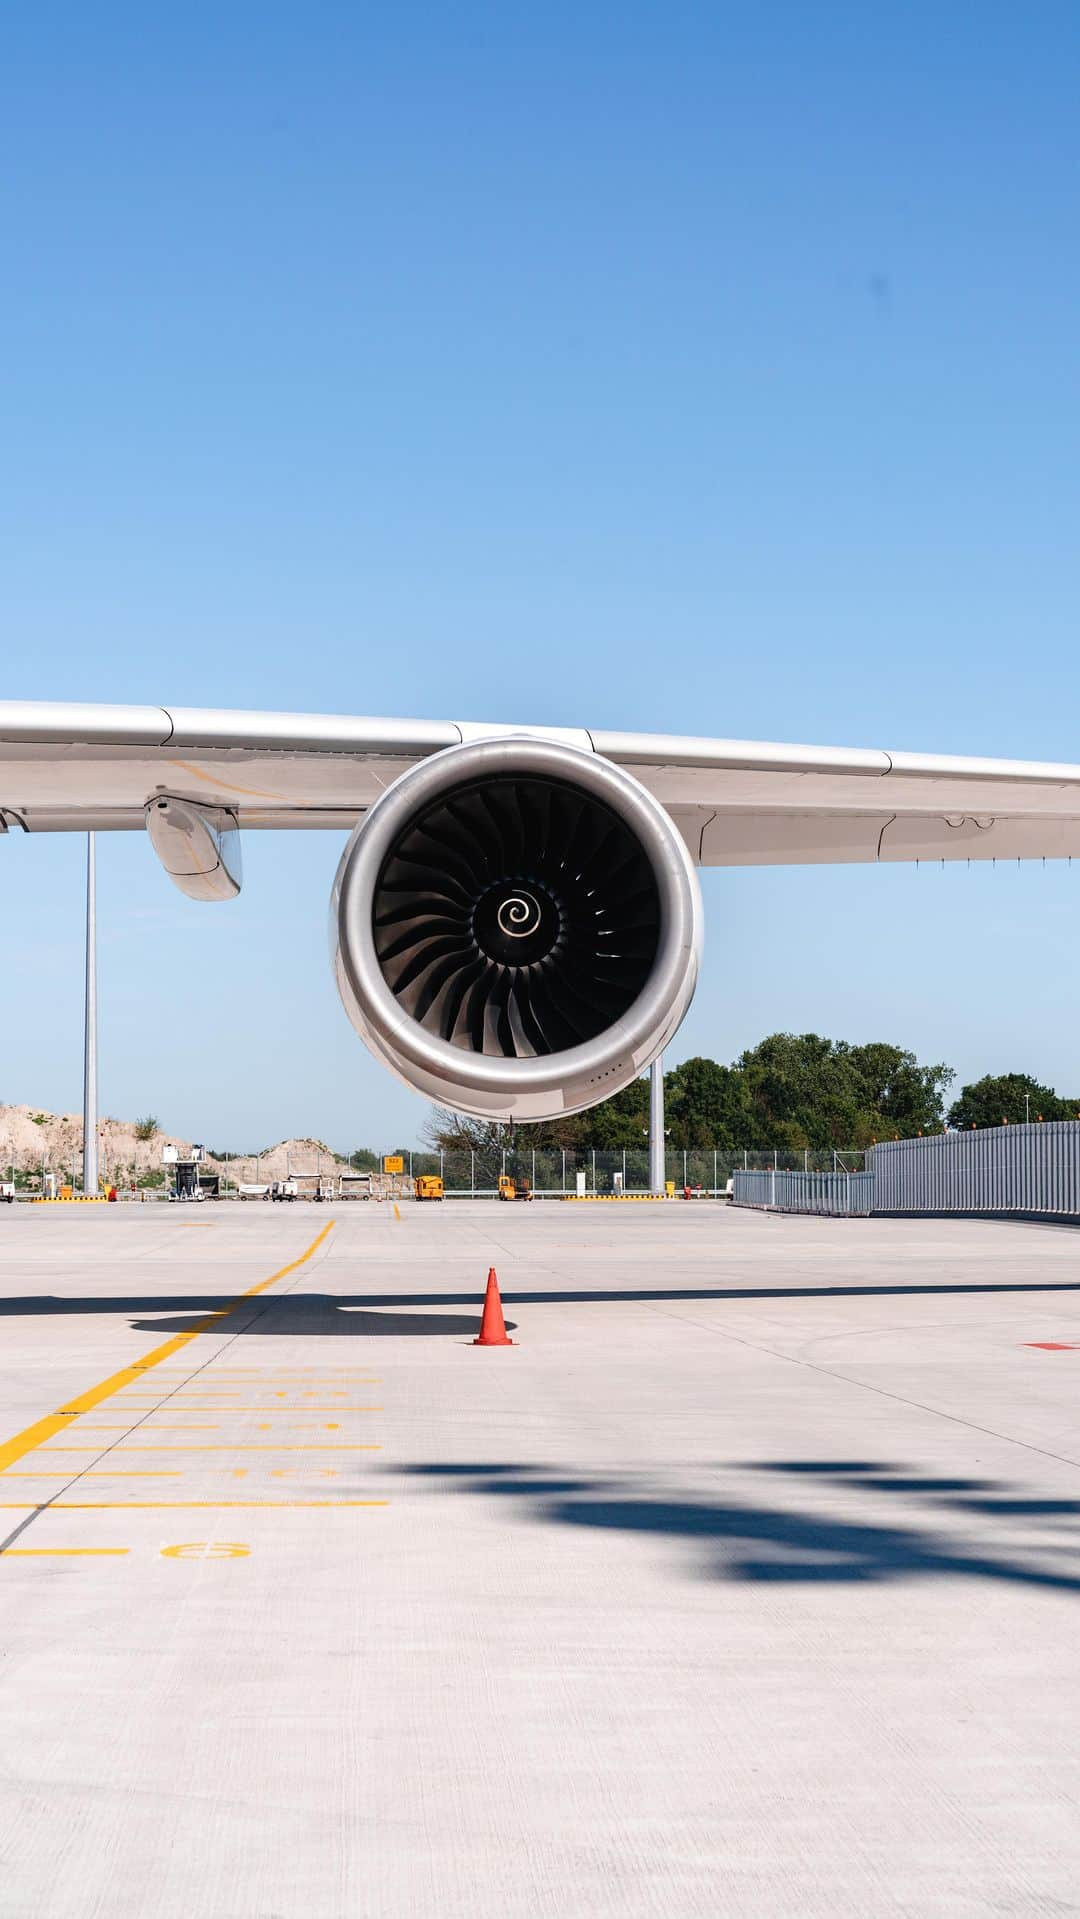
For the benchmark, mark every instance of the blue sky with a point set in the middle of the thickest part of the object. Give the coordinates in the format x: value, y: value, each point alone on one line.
x: 709, y: 369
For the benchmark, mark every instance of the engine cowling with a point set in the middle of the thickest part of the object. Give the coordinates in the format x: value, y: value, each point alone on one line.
x: 516, y: 928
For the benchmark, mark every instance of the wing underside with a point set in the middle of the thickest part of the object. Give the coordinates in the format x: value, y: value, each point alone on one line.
x: 737, y: 803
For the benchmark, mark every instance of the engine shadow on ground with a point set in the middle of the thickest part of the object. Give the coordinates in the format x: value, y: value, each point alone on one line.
x: 743, y: 1539
x: 321, y: 1316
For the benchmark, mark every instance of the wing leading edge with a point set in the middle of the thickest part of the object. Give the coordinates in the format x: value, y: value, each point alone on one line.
x: 738, y: 803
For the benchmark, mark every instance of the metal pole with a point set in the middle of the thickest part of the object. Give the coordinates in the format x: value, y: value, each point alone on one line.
x: 563, y: 1150
x: 594, y: 1169
x: 656, y: 1125
x: 90, y: 1085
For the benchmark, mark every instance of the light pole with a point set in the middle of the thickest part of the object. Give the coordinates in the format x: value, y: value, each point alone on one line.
x: 656, y: 1125
x: 90, y: 1123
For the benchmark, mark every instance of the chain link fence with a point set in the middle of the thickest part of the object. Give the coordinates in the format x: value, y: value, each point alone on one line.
x: 602, y: 1172
x: 597, y: 1172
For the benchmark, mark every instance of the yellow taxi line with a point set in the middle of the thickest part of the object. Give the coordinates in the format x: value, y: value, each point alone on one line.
x: 34, y: 1436
x: 57, y: 1452
x: 63, y: 1552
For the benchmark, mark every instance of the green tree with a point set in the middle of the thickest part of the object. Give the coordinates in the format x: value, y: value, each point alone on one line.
x: 619, y: 1123
x: 146, y: 1128
x: 810, y: 1091
x: 708, y: 1105
x: 906, y: 1097
x: 1008, y: 1096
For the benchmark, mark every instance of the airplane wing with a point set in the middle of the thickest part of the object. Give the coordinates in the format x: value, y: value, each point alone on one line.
x: 72, y: 768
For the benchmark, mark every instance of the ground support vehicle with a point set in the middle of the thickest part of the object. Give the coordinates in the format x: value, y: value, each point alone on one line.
x: 514, y: 1188
x: 428, y: 1186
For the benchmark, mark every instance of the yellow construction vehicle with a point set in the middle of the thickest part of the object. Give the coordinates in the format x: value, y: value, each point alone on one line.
x: 514, y: 1188
x: 428, y: 1186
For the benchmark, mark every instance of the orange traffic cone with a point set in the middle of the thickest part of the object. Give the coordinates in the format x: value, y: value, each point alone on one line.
x: 492, y: 1325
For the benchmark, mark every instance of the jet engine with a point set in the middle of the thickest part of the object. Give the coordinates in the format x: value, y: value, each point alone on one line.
x: 516, y: 928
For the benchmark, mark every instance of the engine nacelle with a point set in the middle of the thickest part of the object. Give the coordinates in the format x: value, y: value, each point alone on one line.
x: 516, y: 928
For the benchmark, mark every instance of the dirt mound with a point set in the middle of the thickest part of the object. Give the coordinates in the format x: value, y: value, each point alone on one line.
x: 33, y: 1140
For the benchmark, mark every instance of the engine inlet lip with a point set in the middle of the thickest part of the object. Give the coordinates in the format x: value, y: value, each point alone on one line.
x: 633, y: 1036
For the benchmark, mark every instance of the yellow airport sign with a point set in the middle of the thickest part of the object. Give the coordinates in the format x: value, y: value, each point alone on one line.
x: 393, y: 1163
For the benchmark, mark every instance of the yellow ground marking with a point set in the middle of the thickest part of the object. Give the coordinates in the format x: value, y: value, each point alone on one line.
x: 63, y: 1552
x: 180, y: 1505
x: 397, y: 1214
x: 57, y: 1452
x: 34, y: 1436
x: 308, y: 1472
x: 104, y: 1472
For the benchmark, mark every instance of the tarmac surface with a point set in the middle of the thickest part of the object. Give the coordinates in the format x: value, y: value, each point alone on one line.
x: 746, y: 1583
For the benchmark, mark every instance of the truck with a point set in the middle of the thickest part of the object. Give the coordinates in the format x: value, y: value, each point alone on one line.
x: 252, y: 1191
x: 514, y: 1188
x: 428, y: 1186
x: 285, y: 1189
x: 7, y: 1190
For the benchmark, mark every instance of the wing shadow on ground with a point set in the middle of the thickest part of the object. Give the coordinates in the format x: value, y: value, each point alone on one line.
x: 741, y: 1539
x: 31, y: 1304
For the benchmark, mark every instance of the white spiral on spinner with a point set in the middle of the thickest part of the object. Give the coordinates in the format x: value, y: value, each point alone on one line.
x: 518, y: 916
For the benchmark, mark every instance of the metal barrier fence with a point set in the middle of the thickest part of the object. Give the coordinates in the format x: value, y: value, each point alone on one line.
x: 1002, y: 1169
x: 841, y: 1195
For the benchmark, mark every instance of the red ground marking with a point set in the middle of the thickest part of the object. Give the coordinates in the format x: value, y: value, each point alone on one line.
x: 1052, y: 1345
